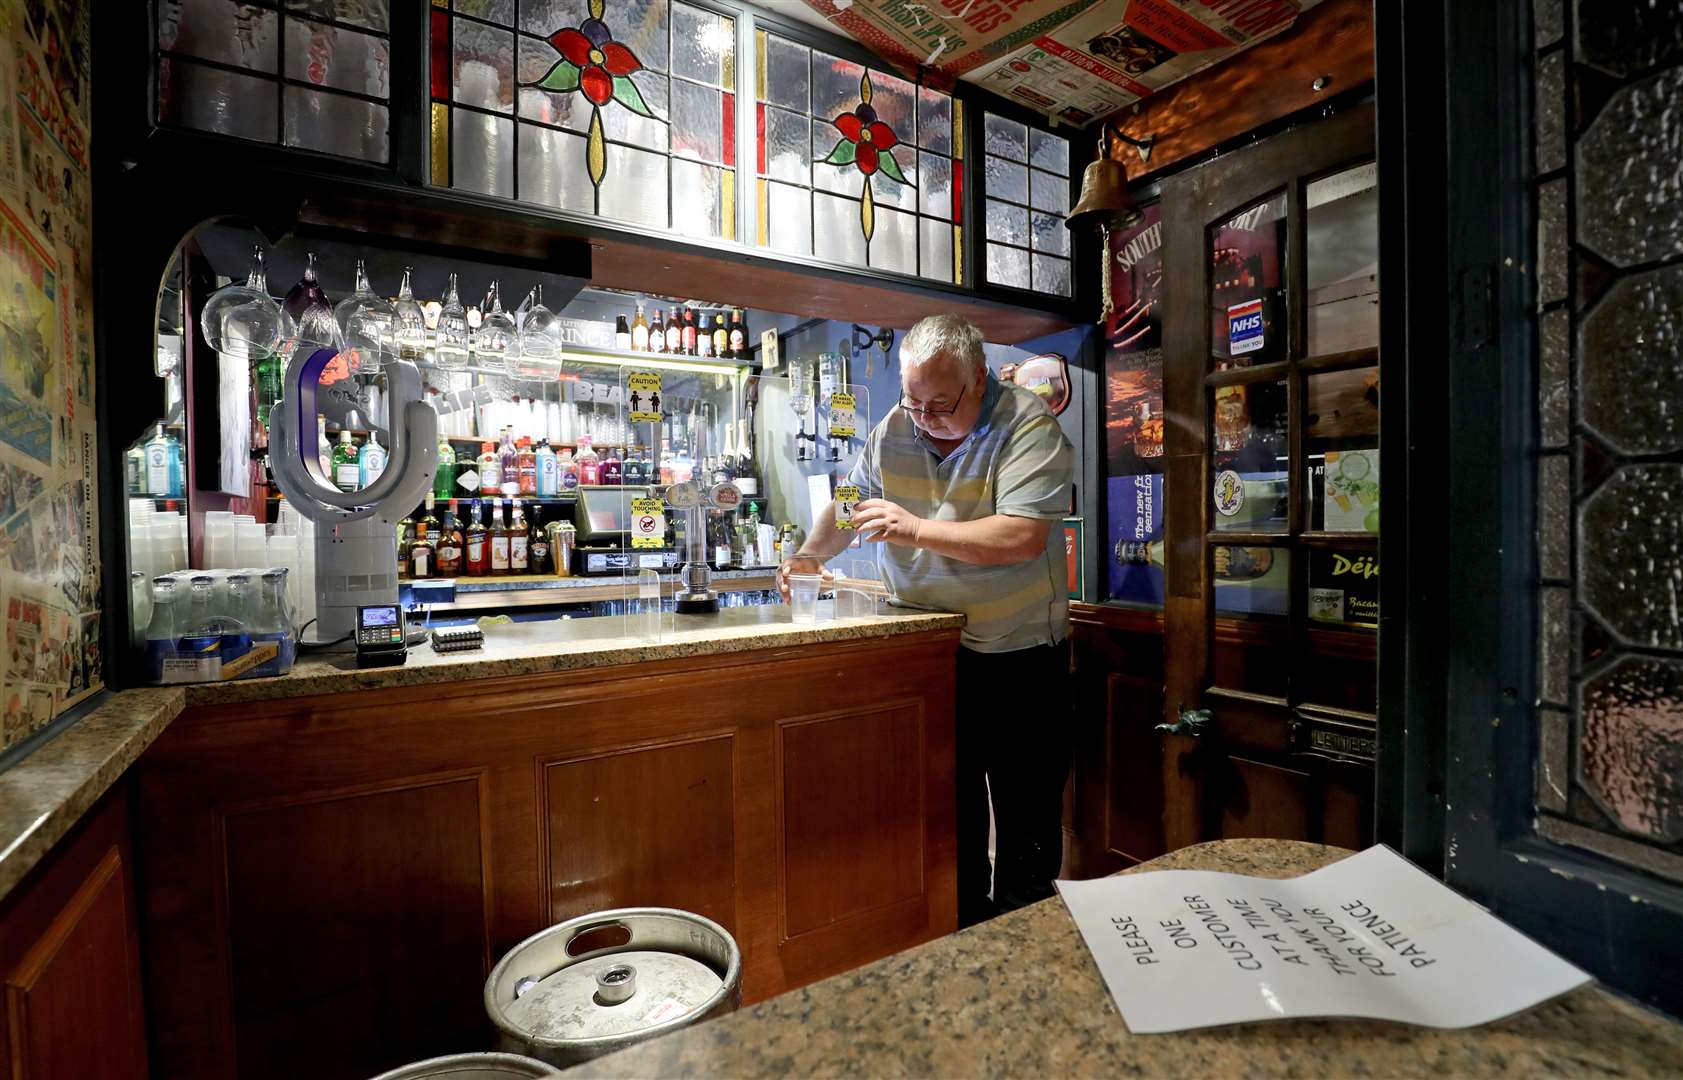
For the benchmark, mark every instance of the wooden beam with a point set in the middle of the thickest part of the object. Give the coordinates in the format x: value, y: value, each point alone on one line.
x: 1274, y: 79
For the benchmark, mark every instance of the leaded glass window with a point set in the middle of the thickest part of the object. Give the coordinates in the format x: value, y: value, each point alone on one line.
x: 311, y: 74
x: 1025, y: 181
x: 622, y: 108
x: 854, y: 165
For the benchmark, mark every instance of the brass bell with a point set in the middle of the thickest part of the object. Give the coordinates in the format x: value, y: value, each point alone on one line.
x: 1104, y: 188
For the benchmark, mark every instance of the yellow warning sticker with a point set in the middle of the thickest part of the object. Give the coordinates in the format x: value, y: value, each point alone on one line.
x: 846, y: 497
x: 648, y: 523
x: 643, y: 395
x: 843, y: 424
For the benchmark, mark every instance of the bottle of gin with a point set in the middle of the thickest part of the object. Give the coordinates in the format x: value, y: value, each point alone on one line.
x: 371, y: 461
x: 347, y: 471
x: 444, y: 479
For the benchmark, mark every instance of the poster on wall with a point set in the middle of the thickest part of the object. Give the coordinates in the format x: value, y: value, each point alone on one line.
x: 1134, y: 420
x: 1109, y: 55
x: 49, y: 527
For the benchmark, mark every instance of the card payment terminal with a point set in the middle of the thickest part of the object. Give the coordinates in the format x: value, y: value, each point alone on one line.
x: 379, y: 636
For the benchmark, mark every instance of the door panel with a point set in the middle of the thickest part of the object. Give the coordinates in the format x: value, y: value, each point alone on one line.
x: 1271, y: 265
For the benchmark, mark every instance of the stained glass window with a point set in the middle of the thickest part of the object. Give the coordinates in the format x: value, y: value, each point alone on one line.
x: 1025, y: 181
x: 622, y: 108
x: 311, y: 74
x: 854, y: 165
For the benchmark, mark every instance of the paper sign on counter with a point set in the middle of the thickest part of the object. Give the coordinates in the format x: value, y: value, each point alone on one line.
x: 1372, y: 936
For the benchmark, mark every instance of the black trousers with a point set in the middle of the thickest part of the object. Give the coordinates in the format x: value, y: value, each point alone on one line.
x: 1014, y: 741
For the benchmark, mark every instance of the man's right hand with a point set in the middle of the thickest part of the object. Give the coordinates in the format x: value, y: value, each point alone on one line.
x: 800, y: 564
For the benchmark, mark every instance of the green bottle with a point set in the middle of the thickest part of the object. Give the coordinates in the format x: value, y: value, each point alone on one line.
x: 444, y: 480
x: 347, y: 471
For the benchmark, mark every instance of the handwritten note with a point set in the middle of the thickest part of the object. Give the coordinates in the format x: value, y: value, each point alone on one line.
x: 1371, y: 936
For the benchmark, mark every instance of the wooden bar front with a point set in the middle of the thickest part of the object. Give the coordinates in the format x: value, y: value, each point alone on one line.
x: 326, y: 881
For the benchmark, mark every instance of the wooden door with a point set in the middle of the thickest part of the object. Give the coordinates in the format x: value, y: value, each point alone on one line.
x: 1271, y: 476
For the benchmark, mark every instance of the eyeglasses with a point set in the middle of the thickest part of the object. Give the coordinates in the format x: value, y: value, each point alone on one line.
x: 927, y: 411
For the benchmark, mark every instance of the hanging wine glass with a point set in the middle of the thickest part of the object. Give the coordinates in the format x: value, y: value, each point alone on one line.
x: 453, y: 333
x: 409, y: 323
x: 242, y: 319
x: 540, y: 340
x: 496, y: 343
x: 365, y: 325
x: 311, y: 312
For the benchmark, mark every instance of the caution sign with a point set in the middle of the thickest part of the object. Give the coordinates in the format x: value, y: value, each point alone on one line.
x: 648, y: 523
x: 843, y: 424
x: 643, y: 395
x: 847, y: 497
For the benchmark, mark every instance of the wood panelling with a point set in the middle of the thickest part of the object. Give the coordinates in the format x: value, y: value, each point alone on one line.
x: 515, y: 802
x: 645, y: 827
x: 361, y: 919
x: 1251, y: 798
x: 70, y: 959
x: 850, y: 793
x: 1272, y: 80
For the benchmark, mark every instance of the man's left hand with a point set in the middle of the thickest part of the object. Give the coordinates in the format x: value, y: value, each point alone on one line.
x: 879, y: 520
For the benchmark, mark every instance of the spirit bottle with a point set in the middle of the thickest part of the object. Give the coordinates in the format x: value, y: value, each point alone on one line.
x: 519, y: 549
x: 657, y: 334
x: 405, y: 541
x: 528, y: 468
x: 566, y: 472
x: 477, y: 556
x: 549, y: 475
x: 613, y: 468
x: 161, y: 470
x: 622, y: 334
x: 639, y: 331
x: 490, y: 480
x: 675, y: 332
x: 508, y: 464
x: 689, y: 334
x: 590, y: 466
x: 444, y: 478
x: 499, y: 539
x: 447, y: 549
x: 539, y: 546
x: 371, y: 461
x: 347, y: 473
x: 421, y: 551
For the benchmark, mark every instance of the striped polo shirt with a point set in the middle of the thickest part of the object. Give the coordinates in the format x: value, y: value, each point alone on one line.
x: 1015, y: 462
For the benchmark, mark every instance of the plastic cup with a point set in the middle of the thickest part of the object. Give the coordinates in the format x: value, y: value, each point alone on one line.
x: 803, y: 596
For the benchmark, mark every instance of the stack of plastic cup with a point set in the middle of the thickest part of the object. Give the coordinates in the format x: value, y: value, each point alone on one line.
x: 251, y: 547
x: 219, y: 539
x: 803, y: 596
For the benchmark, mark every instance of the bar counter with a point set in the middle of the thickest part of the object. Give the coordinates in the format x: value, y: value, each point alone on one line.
x: 1021, y: 996
x: 44, y: 795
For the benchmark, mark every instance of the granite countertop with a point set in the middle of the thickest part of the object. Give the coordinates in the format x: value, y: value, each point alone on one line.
x: 574, y: 645
x: 46, y: 793
x: 1021, y: 996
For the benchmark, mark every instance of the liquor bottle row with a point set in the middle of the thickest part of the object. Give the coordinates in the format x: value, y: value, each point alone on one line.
x: 467, y: 545
x: 682, y: 332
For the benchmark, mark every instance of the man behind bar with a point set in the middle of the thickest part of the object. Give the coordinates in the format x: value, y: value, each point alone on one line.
x: 962, y: 483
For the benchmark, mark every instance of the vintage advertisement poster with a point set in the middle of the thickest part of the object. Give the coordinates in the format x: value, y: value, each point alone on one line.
x: 1112, y: 54
x: 49, y: 520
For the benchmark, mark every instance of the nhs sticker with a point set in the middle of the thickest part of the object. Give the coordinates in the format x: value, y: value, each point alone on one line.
x: 1244, y: 327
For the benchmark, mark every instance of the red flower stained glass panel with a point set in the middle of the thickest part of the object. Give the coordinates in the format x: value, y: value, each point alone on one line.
x: 440, y: 56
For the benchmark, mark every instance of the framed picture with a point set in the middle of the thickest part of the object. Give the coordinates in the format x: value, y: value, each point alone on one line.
x: 1074, y: 563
